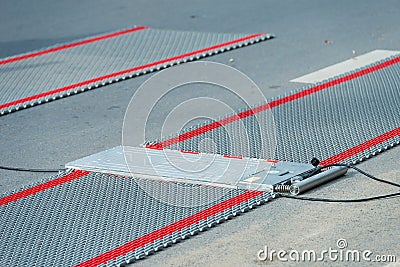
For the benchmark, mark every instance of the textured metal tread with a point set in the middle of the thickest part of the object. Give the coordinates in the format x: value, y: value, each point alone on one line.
x: 95, y: 226
x: 335, y: 120
x: 94, y: 214
x: 56, y: 72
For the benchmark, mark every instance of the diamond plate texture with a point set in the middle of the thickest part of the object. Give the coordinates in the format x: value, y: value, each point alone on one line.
x: 321, y: 124
x: 85, y: 217
x: 29, y: 81
x: 102, y: 219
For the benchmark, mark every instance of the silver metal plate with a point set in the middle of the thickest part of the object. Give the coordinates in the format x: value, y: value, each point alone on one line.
x: 194, y: 168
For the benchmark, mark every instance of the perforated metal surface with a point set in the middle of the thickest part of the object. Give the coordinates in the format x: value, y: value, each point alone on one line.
x: 71, y: 223
x: 56, y: 72
x: 96, y: 219
x: 342, y: 115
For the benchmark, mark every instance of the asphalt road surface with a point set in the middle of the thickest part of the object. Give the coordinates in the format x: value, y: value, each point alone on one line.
x: 310, y: 35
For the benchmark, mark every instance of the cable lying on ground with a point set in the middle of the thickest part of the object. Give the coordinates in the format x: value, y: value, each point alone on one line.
x: 348, y: 200
x: 339, y: 200
x: 29, y: 170
x: 351, y: 166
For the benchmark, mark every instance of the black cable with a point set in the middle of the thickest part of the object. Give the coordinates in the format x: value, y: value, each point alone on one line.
x: 364, y: 173
x: 339, y: 200
x: 347, y: 200
x: 28, y: 170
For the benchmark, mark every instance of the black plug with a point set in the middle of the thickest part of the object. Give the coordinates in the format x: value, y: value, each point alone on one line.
x: 315, y: 162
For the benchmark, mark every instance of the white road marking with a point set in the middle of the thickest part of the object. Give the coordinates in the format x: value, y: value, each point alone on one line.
x: 345, y: 66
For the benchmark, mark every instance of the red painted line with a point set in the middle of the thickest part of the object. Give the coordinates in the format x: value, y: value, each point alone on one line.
x: 281, y: 101
x: 204, y: 214
x: 233, y: 157
x: 361, y: 147
x: 189, y: 152
x: 42, y: 187
x: 71, y: 45
x: 116, y: 74
x: 168, y: 230
x: 220, y: 207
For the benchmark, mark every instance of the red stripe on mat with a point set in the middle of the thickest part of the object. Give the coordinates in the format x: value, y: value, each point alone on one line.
x: 158, y: 234
x: 272, y: 104
x: 116, y: 74
x: 42, y: 187
x: 168, y: 230
x: 204, y: 214
x: 71, y: 45
x: 361, y: 147
x: 195, y: 218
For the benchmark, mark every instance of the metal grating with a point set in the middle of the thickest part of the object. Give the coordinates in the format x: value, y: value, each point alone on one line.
x: 102, y: 219
x: 89, y: 216
x: 343, y: 113
x: 60, y: 71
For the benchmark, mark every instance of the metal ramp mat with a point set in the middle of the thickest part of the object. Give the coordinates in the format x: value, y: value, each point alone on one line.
x: 81, y: 218
x: 177, y: 166
x: 52, y: 73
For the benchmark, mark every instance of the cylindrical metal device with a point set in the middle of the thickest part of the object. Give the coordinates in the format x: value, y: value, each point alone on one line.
x: 315, y: 180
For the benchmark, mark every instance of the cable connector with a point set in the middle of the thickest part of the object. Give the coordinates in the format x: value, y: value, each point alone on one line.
x: 317, y: 179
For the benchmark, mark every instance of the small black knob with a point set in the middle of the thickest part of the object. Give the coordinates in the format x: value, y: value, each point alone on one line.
x: 315, y: 162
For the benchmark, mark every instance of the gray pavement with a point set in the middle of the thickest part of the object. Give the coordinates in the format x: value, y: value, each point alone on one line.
x: 50, y: 135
